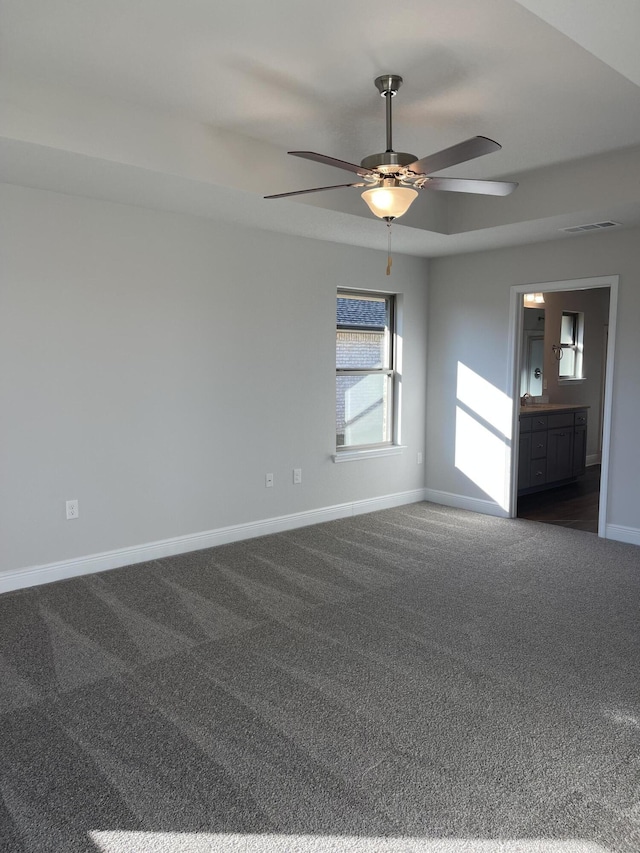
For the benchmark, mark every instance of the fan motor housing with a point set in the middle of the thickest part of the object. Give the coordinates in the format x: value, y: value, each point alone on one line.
x: 388, y: 162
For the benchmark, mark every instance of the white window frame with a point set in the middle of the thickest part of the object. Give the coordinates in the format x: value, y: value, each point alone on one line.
x: 577, y: 347
x: 390, y: 445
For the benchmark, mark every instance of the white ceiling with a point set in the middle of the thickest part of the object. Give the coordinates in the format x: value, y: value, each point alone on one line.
x: 191, y: 105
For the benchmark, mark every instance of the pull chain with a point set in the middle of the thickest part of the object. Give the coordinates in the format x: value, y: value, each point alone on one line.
x: 389, y: 260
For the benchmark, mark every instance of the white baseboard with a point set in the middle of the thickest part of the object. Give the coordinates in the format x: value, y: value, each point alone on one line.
x: 463, y: 502
x: 64, y: 569
x: 631, y: 535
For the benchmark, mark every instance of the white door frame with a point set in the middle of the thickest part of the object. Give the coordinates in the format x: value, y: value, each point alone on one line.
x: 516, y: 308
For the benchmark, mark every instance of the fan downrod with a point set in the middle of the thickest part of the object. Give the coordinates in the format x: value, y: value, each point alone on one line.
x: 388, y: 162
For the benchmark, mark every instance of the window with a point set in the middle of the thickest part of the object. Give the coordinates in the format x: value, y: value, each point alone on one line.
x: 570, y: 351
x: 365, y: 370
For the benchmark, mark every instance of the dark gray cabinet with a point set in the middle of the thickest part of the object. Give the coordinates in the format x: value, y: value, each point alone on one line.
x: 579, y: 450
x: 559, y: 454
x: 552, y: 448
x: 524, y: 460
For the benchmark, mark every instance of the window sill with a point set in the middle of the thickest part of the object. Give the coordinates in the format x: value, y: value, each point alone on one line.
x: 370, y: 453
x: 569, y: 381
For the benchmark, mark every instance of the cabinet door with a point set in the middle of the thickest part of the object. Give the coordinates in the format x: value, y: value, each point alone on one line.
x: 525, y: 423
x: 581, y: 418
x: 579, y: 450
x: 559, y: 454
x: 538, y: 472
x: 538, y: 445
x: 524, y: 456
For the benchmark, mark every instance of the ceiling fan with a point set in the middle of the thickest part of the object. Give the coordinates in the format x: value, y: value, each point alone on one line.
x: 393, y: 178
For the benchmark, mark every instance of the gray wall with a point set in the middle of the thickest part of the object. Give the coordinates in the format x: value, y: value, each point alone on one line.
x: 155, y: 366
x: 469, y: 322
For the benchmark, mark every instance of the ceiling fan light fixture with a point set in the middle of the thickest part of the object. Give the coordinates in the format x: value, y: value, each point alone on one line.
x: 389, y: 202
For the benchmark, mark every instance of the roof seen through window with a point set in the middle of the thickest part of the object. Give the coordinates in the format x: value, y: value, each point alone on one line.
x: 361, y: 313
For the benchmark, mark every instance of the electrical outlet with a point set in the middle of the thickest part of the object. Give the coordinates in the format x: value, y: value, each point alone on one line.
x: 297, y: 476
x: 72, y: 509
x: 419, y: 458
x: 268, y: 481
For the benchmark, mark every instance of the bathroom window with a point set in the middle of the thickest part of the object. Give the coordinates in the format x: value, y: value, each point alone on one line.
x: 571, y: 345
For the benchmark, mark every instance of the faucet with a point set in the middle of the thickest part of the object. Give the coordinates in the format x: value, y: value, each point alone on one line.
x: 526, y: 399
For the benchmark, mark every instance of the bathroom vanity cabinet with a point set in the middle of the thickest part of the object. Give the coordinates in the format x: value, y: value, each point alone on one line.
x: 552, y: 445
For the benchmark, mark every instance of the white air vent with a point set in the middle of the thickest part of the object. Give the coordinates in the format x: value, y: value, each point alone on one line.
x: 592, y: 226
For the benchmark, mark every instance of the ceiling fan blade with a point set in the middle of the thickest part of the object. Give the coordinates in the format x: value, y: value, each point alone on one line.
x: 464, y: 185
x: 314, y: 190
x: 460, y: 153
x: 331, y: 161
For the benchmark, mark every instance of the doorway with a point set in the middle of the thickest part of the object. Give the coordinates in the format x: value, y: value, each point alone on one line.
x: 583, y: 501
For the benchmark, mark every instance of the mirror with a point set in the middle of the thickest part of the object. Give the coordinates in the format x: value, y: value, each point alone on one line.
x: 532, y: 374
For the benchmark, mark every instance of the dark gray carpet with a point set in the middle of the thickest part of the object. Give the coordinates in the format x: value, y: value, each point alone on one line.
x: 418, y: 679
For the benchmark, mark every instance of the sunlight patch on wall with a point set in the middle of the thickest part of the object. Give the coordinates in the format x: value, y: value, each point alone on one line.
x: 483, y: 398
x: 203, y: 842
x: 481, y: 456
x: 483, y: 434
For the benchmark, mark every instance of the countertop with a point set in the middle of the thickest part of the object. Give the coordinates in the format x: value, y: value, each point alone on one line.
x: 538, y: 408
